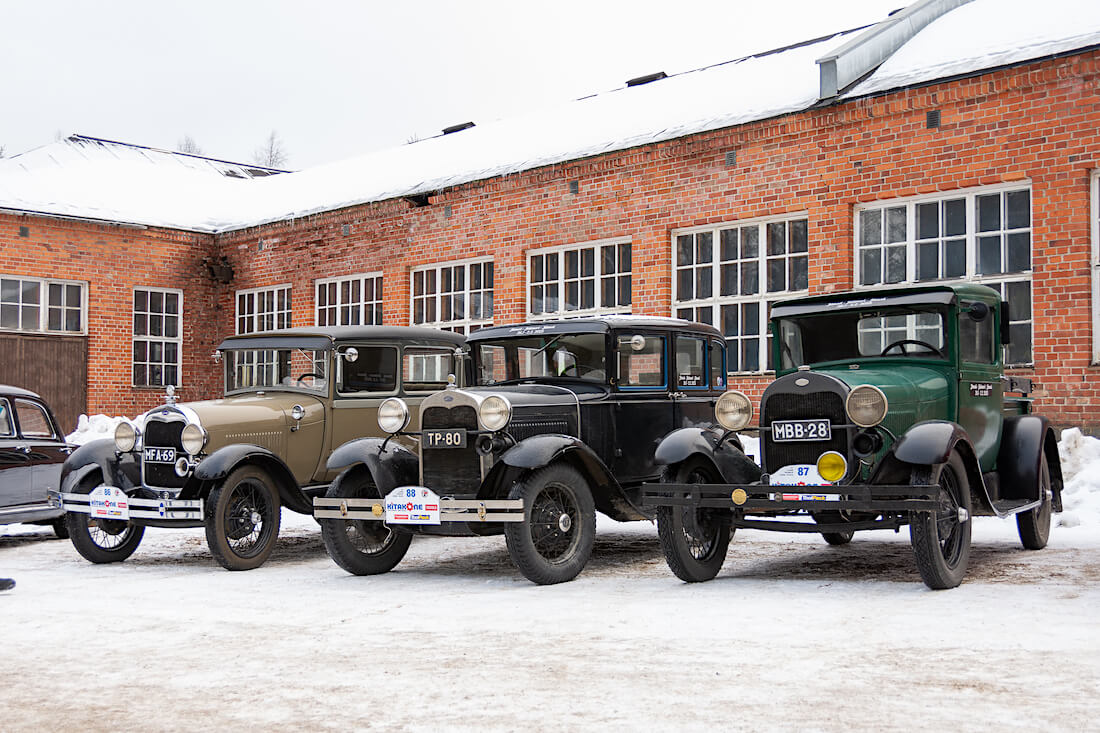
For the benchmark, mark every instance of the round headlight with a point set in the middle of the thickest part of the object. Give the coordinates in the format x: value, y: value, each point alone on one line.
x: 125, y: 437
x: 393, y: 415
x: 495, y: 412
x: 193, y: 438
x: 866, y: 406
x: 733, y: 410
x: 831, y: 466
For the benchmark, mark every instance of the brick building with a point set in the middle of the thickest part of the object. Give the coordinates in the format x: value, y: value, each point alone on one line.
x: 708, y: 195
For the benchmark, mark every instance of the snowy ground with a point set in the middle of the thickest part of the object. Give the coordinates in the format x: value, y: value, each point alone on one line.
x: 793, y: 634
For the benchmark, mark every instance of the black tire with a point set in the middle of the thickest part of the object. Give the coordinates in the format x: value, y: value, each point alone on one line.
x: 834, y: 538
x: 60, y: 528
x: 1034, y: 524
x: 362, y: 547
x: 694, y: 541
x: 941, y: 542
x: 554, y: 541
x: 101, y: 540
x: 242, y: 520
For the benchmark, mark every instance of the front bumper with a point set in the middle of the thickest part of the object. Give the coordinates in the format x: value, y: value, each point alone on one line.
x: 450, y: 510
x: 158, y: 512
x: 777, y: 508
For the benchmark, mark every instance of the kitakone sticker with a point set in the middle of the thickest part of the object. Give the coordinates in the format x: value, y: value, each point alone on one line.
x: 981, y: 389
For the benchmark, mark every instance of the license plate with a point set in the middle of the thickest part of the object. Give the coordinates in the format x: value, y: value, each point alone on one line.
x: 412, y: 505
x: 455, y: 438
x: 160, y: 455
x: 783, y: 430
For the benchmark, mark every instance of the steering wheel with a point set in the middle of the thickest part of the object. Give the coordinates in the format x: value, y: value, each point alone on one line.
x: 314, y: 375
x: 916, y: 342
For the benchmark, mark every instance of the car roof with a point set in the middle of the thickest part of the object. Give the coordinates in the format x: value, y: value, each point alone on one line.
x: 593, y: 324
x: 10, y: 391
x: 938, y: 294
x: 323, y: 337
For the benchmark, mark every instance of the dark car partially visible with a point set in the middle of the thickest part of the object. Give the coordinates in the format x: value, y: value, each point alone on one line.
x: 32, y: 449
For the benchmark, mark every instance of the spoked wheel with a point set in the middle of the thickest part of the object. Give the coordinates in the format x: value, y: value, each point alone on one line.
x: 243, y: 521
x: 1034, y: 524
x: 362, y: 547
x: 101, y: 540
x: 941, y: 539
x: 834, y: 538
x: 554, y: 541
x: 693, y: 540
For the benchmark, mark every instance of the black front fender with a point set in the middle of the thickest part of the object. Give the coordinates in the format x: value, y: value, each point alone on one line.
x: 727, y: 456
x: 223, y: 461
x: 930, y: 443
x: 1024, y: 440
x: 392, y: 467
x: 116, y: 469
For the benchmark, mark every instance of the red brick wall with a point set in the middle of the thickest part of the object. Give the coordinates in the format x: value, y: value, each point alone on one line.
x: 1039, y: 121
x: 112, y: 260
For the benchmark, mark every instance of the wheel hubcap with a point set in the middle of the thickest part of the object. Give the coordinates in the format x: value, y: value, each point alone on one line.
x: 564, y: 522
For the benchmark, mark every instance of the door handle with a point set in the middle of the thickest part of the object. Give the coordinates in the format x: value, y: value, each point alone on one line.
x: 24, y: 449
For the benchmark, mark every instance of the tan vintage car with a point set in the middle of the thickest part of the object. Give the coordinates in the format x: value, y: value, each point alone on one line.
x: 230, y: 464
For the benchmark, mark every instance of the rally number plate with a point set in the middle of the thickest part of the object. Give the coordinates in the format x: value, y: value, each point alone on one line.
x: 108, y: 502
x: 412, y: 505
x: 453, y: 438
x: 786, y: 430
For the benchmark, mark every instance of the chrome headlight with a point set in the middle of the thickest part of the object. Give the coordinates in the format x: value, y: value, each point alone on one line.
x: 393, y: 415
x: 495, y: 412
x: 126, y: 436
x: 733, y: 410
x: 193, y: 438
x: 866, y: 406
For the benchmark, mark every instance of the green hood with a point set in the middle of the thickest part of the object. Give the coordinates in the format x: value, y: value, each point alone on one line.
x: 915, y: 393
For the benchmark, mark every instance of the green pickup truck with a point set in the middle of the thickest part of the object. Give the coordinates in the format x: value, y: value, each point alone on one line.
x: 889, y: 408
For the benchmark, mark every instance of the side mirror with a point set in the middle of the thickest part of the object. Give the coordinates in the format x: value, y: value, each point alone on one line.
x: 350, y: 354
x: 1006, y: 332
x: 637, y: 342
x: 978, y: 311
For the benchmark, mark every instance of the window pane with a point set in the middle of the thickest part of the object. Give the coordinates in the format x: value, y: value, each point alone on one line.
x: 895, y: 224
x: 684, y: 286
x: 624, y: 259
x: 703, y: 283
x: 799, y: 239
x: 750, y: 278
x: 870, y: 227
x: 895, y: 264
x: 1018, y: 296
x: 776, y: 276
x: 729, y: 280
x: 799, y: 273
x: 1019, y: 351
x: 777, y: 238
x: 750, y: 242
x: 928, y: 261
x: 685, y: 253
x: 989, y: 213
x: 954, y: 215
x: 1018, y: 208
x: 870, y: 262
x: 928, y: 221
x: 624, y: 290
x: 54, y: 319
x: 750, y: 325
x: 729, y: 244
x: 706, y: 248
x: 955, y: 258
x: 989, y: 255
x: 607, y: 259
x: 1019, y: 252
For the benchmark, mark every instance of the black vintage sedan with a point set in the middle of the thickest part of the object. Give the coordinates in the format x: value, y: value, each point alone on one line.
x: 32, y: 449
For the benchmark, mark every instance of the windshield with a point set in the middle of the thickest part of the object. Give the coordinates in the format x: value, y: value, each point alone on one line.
x: 859, y: 335
x: 256, y: 369
x: 570, y: 355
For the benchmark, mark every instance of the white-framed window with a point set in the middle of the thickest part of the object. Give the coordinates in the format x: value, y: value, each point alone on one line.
x: 354, y: 300
x: 580, y: 279
x: 41, y: 305
x: 728, y: 275
x: 981, y: 235
x: 455, y: 296
x: 263, y: 309
x: 1094, y: 185
x: 158, y: 336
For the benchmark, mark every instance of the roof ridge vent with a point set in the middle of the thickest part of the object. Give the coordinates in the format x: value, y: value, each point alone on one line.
x: 639, y: 80
x: 457, y: 128
x: 863, y: 54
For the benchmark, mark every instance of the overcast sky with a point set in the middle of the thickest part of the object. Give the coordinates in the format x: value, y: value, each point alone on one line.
x: 335, y: 79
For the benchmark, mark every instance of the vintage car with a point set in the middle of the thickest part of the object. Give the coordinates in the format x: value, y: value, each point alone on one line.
x: 32, y: 449
x: 889, y: 408
x: 229, y: 464
x: 562, y: 420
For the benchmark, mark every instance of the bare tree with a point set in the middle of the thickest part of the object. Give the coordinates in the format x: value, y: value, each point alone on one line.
x: 271, y: 154
x: 188, y: 145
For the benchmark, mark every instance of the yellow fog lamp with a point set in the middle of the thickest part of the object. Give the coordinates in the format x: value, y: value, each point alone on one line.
x: 831, y: 466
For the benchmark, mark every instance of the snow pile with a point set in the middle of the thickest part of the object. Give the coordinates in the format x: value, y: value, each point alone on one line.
x: 96, y: 427
x: 1080, y: 455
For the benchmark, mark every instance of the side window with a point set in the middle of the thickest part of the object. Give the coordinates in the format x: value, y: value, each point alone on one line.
x: 691, y: 362
x: 7, y: 429
x: 717, y: 361
x: 976, y: 339
x: 374, y: 371
x: 492, y: 364
x: 33, y: 422
x: 426, y: 369
x: 641, y: 361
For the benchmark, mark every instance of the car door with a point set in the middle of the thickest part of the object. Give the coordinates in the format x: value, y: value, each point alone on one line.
x: 694, y: 397
x: 16, y: 468
x: 43, y: 445
x: 981, y: 392
x: 644, y: 411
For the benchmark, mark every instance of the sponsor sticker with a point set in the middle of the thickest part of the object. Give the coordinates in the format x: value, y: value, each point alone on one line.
x: 108, y: 502
x: 798, y: 475
x: 412, y: 505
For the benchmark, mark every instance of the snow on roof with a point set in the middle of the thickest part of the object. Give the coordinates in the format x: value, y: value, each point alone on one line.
x: 180, y: 193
